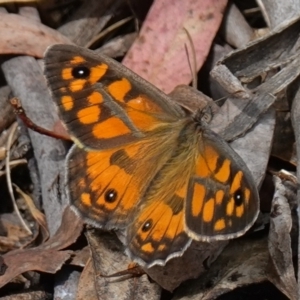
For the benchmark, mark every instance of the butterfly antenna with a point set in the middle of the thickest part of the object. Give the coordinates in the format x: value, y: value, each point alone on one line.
x: 193, y: 65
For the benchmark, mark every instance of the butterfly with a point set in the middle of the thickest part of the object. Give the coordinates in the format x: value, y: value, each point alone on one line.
x: 143, y: 163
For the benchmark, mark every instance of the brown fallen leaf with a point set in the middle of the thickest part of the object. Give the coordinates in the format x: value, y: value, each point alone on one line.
x: 36, y: 214
x: 242, y: 262
x: 47, y: 257
x: 284, y: 139
x: 3, y: 266
x: 20, y: 35
x: 280, y: 269
x: 118, y: 46
x: 158, y: 54
x: 108, y: 257
x: 190, y: 265
x: 13, y: 235
x: 68, y: 232
x: 43, y: 260
x: 86, y: 286
x: 29, y: 295
x: 81, y: 257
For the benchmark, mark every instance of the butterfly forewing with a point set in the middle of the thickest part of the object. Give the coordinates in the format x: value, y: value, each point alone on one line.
x: 222, y: 200
x: 102, y: 103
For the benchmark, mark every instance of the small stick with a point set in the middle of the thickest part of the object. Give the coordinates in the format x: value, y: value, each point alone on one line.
x: 19, y: 111
x: 8, y: 178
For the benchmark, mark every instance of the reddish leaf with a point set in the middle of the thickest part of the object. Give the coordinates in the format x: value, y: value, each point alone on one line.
x: 20, y: 35
x: 159, y: 55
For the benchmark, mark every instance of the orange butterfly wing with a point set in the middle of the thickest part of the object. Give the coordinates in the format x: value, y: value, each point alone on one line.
x: 157, y: 234
x: 107, y: 186
x: 103, y: 104
x: 222, y: 200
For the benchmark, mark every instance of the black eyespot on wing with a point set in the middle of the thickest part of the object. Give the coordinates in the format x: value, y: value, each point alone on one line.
x: 147, y: 226
x: 110, y: 195
x: 81, y: 72
x: 238, y: 197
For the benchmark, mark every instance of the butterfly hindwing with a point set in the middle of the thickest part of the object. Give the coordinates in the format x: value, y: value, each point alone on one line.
x: 157, y: 233
x: 102, y: 103
x: 106, y: 186
x: 222, y: 200
x: 100, y: 187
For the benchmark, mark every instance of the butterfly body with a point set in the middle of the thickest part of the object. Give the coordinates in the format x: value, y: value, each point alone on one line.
x: 143, y: 163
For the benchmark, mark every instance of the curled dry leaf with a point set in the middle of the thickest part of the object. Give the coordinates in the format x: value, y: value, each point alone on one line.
x: 284, y: 138
x: 257, y: 63
x: 241, y: 263
x: 68, y: 232
x: 36, y: 214
x: 81, y: 257
x: 252, y: 150
x: 159, y: 55
x: 86, y: 286
x: 6, y: 111
x: 12, y: 235
x: 192, y: 262
x: 108, y: 258
x: 20, y: 261
x: 48, y: 257
x: 118, y: 46
x: 20, y: 35
x: 280, y: 269
x: 3, y: 266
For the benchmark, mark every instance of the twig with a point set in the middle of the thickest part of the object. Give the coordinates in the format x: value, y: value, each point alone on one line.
x: 193, y: 65
x: 19, y: 111
x: 107, y: 30
x: 8, y: 177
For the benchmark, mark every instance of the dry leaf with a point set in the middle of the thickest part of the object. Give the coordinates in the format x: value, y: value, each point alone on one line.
x: 36, y: 214
x: 47, y: 257
x: 109, y: 258
x: 159, y: 55
x: 81, y: 257
x: 241, y: 263
x: 20, y: 261
x: 284, y: 139
x: 13, y: 235
x: 20, y: 35
x: 281, y: 271
x: 86, y: 287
